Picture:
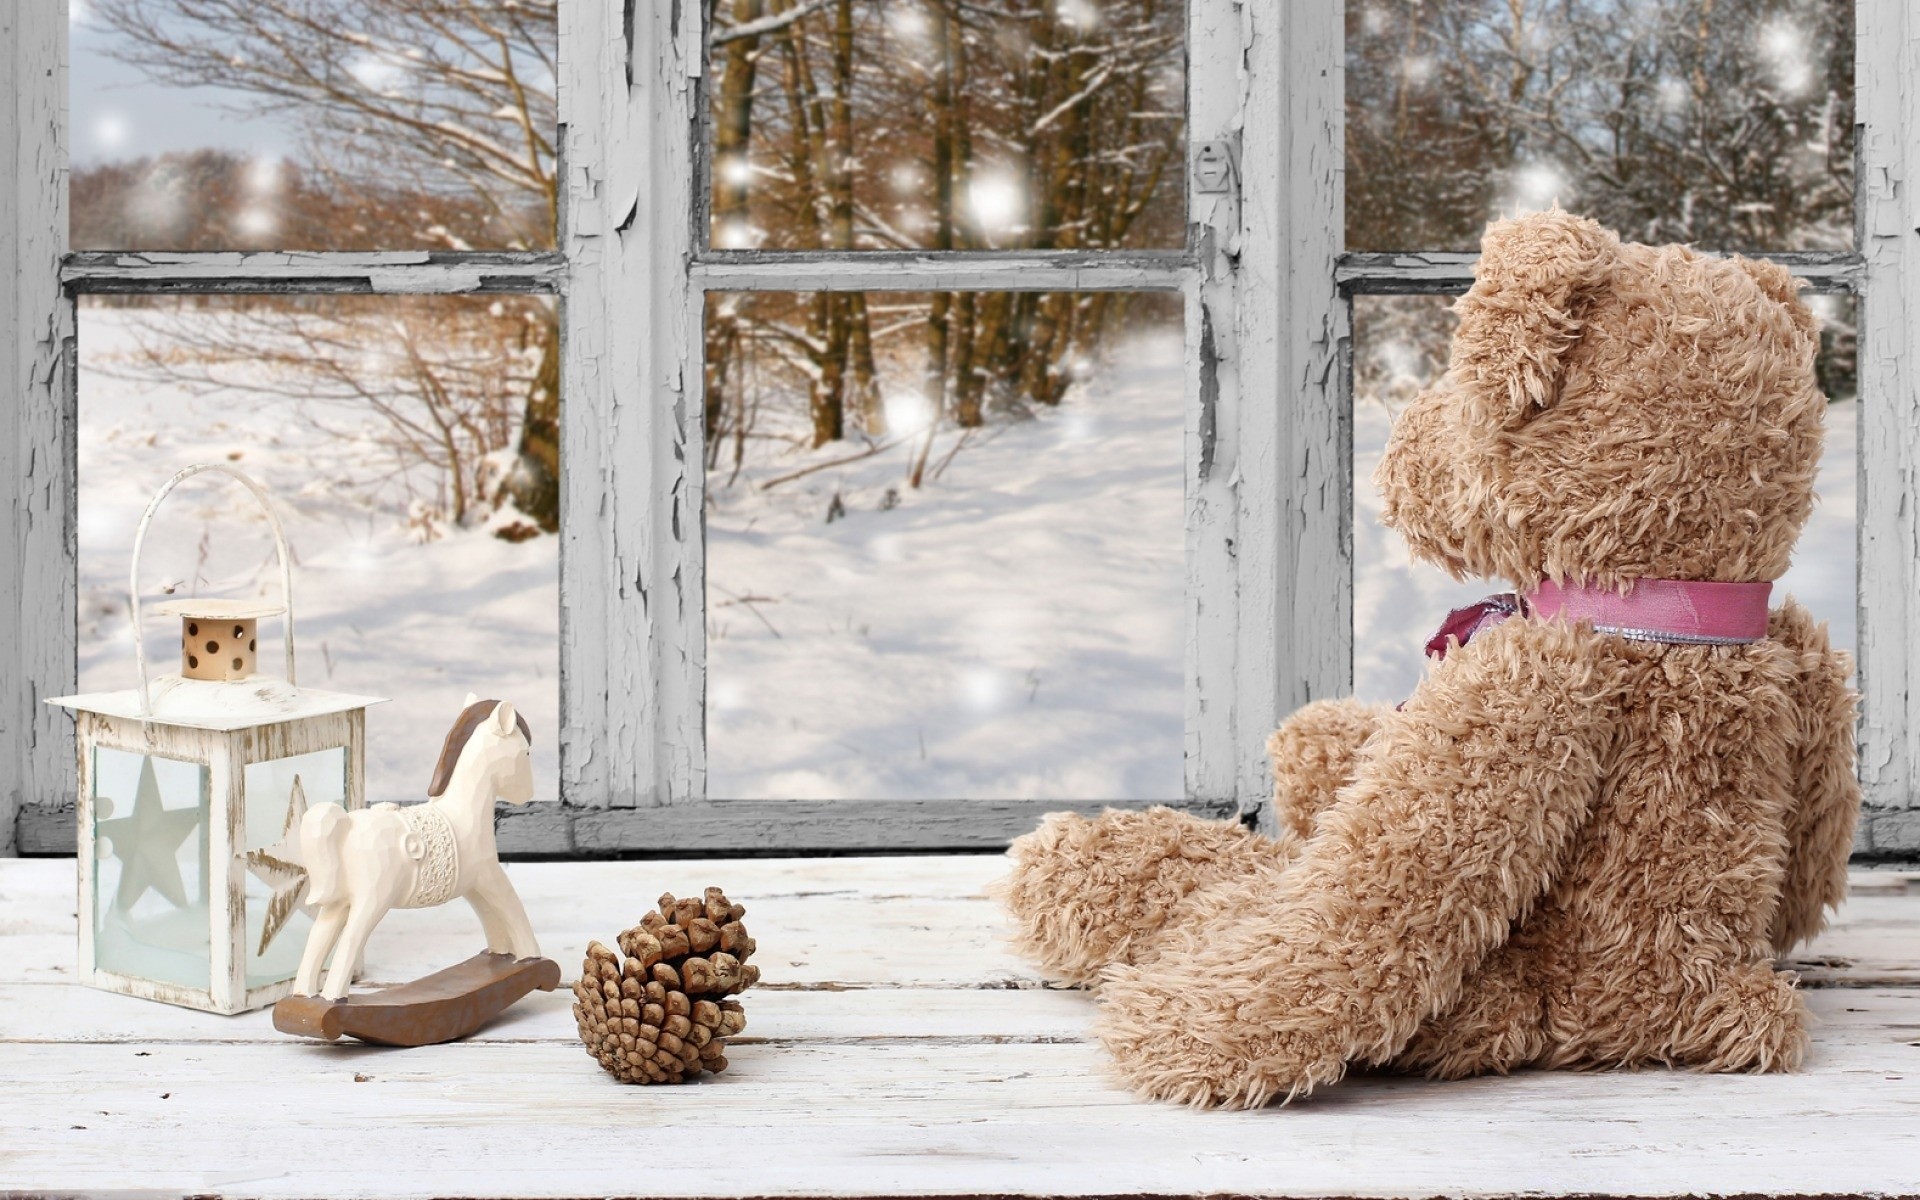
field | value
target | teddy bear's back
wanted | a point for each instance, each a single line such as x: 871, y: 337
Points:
x: 1677, y: 876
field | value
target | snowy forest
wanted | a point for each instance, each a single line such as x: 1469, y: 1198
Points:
x: 944, y: 530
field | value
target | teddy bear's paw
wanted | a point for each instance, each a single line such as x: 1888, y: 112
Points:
x: 1178, y: 1034
x: 1085, y: 893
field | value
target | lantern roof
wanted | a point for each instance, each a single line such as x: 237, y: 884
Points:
x: 218, y: 705
x: 215, y: 608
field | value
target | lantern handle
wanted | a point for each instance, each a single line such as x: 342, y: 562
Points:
x: 140, y: 536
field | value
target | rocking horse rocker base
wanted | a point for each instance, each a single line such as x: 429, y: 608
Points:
x: 440, y: 1007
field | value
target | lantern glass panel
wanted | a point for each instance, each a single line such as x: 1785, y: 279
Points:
x: 269, y: 793
x: 150, y: 820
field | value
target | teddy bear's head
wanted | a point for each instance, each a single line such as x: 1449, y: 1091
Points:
x: 1612, y: 412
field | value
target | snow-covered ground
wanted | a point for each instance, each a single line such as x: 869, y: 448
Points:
x: 1011, y: 629
x: 376, y: 612
x: 1397, y: 604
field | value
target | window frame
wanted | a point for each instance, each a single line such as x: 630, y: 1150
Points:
x: 1267, y: 294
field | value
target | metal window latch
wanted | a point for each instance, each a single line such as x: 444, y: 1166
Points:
x: 1214, y: 170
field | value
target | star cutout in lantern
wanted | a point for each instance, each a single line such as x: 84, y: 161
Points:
x: 279, y: 866
x: 147, y: 843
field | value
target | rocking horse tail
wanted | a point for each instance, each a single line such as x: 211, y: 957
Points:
x: 321, y: 833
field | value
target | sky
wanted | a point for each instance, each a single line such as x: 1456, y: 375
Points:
x: 116, y: 113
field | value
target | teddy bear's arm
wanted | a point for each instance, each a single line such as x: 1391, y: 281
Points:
x: 1315, y: 753
x: 1087, y: 892
x: 1826, y: 790
x: 1463, y: 810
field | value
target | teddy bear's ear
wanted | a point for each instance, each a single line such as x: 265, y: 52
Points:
x: 1525, y: 310
x: 1780, y: 285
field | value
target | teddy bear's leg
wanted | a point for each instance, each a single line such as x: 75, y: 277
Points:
x: 1498, y: 1025
x: 1464, y: 808
x: 1752, y: 1019
x: 1315, y: 753
x: 1739, y: 1017
x: 1086, y: 892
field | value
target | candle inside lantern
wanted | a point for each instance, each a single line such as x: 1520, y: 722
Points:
x: 219, y: 639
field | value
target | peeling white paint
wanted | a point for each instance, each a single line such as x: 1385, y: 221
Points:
x: 36, y: 334
x: 630, y: 580
x: 1888, y: 198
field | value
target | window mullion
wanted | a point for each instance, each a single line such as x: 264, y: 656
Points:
x: 37, y: 589
x: 1269, y: 520
x: 1887, y: 62
x: 631, y: 582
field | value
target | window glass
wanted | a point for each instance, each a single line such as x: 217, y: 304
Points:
x: 951, y: 567
x: 1400, y: 347
x: 411, y: 446
x: 938, y: 124
x: 1725, y: 123
x: 312, y: 124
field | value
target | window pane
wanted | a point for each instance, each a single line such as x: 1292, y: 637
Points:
x: 936, y: 124
x: 955, y: 568
x: 1400, y: 346
x: 312, y: 124
x: 410, y: 444
x: 1725, y: 123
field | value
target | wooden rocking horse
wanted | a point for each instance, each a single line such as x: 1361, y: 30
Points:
x: 361, y: 865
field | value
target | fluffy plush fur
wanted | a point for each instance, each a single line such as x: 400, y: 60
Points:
x: 1567, y: 849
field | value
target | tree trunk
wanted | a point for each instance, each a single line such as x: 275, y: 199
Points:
x: 534, y: 483
x: 732, y: 140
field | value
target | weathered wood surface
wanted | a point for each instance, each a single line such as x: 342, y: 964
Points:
x: 631, y: 582
x: 894, y: 1049
x: 386, y: 272
x: 918, y: 271
x: 722, y: 826
x: 1888, y: 199
x: 1445, y: 272
x: 37, y: 597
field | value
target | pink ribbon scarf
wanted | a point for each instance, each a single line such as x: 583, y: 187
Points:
x: 1676, y: 611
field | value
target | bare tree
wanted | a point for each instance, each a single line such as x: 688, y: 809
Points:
x: 433, y: 384
x: 446, y: 99
x: 1723, y: 122
x: 944, y: 125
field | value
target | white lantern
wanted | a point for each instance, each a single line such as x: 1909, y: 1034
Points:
x: 189, y: 785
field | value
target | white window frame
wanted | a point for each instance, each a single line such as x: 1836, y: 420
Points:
x: 1269, y: 496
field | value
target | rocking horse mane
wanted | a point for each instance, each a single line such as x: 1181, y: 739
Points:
x: 463, y: 729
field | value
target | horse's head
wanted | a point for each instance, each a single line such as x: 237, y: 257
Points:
x: 495, y: 740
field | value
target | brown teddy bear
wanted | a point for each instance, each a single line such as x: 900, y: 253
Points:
x: 1618, y: 791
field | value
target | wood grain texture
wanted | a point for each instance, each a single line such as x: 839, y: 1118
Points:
x: 908, y: 271
x: 1402, y: 273
x: 389, y: 272
x: 897, y: 1051
x: 37, y: 598
x: 547, y: 830
x: 1888, y: 98
x: 1284, y: 390
x: 631, y: 638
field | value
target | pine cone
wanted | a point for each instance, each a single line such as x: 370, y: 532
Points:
x: 663, y: 1014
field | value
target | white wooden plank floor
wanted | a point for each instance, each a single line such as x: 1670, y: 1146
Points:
x: 895, y: 1049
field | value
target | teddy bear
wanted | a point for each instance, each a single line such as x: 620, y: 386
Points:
x: 1619, y: 789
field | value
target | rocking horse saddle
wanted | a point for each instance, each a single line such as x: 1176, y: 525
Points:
x: 430, y: 843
